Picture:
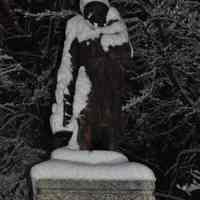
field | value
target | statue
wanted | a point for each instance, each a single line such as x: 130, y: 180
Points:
x: 91, y: 79
x: 91, y: 82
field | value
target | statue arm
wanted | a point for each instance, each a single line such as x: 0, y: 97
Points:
x: 67, y: 70
x: 115, y: 23
x: 115, y: 33
x: 61, y: 110
x: 86, y: 31
x: 115, y: 27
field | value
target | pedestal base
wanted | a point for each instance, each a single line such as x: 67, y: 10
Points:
x: 94, y: 190
x: 116, y: 179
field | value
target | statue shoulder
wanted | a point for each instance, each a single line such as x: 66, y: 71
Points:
x: 113, y: 14
x: 73, y: 22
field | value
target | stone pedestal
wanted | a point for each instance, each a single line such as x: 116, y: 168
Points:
x: 93, y: 190
x: 71, y: 180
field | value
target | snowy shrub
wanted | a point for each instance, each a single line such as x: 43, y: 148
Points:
x: 163, y: 107
x: 27, y: 68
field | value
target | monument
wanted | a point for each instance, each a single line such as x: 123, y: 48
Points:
x: 88, y: 108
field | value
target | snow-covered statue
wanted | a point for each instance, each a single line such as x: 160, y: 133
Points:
x: 91, y: 78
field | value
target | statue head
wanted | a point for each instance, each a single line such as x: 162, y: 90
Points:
x: 95, y: 11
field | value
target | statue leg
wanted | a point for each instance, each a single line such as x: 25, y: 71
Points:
x: 103, y: 137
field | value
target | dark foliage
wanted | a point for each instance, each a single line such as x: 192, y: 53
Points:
x: 163, y: 105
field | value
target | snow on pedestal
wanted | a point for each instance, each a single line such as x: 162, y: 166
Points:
x: 84, y: 175
x: 90, y: 157
x: 62, y: 169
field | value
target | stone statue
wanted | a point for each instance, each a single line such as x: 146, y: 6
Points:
x: 91, y: 82
x: 91, y: 79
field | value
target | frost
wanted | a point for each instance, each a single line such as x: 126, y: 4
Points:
x: 193, y: 186
x: 5, y: 57
x: 92, y: 157
x: 189, y: 188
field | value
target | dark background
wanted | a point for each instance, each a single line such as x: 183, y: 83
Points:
x: 163, y: 105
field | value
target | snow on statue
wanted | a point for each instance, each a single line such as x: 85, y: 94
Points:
x: 91, y: 78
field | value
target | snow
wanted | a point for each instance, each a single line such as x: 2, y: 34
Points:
x: 115, y: 34
x: 5, y: 57
x: 85, y: 31
x: 64, y: 77
x: 189, y: 188
x: 194, y: 184
x: 82, y: 90
x: 113, y: 40
x: 81, y: 29
x: 62, y: 169
x: 90, y: 157
x: 113, y: 14
x: 76, y: 27
x: 90, y: 165
x: 73, y: 126
x: 67, y: 164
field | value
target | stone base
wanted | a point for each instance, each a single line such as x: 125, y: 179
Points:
x: 94, y: 190
x: 82, y: 195
x: 82, y: 175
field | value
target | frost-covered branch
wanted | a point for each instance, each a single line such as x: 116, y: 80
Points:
x: 46, y: 14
